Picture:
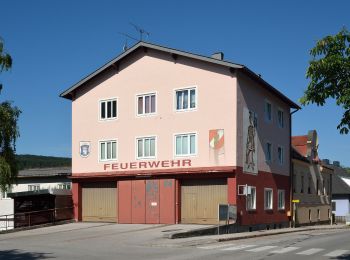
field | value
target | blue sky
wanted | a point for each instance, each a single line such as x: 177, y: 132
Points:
x: 56, y: 43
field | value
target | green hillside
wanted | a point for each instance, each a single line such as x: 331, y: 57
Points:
x: 27, y: 161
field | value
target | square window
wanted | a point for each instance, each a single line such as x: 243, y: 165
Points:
x: 108, y: 109
x: 185, y: 144
x: 281, y: 199
x: 186, y: 99
x: 268, y: 152
x: 268, y: 198
x: 251, y: 198
x: 108, y: 150
x: 268, y: 111
x: 146, y: 147
x: 280, y: 117
x: 146, y: 104
x: 280, y: 155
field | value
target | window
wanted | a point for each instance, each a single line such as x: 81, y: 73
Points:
x: 268, y: 111
x: 280, y: 155
x: 281, y: 199
x: 251, y: 198
x: 268, y: 152
x: 186, y: 99
x: 108, y: 109
x: 280, y: 117
x: 310, y: 216
x: 317, y: 187
x: 146, y: 104
x: 64, y: 186
x: 268, y: 198
x: 185, y: 144
x: 318, y: 215
x: 108, y: 150
x: 146, y: 147
x: 302, y: 184
x: 33, y: 187
x: 309, y: 185
x: 323, y: 188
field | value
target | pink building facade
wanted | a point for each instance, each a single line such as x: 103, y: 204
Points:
x: 164, y: 136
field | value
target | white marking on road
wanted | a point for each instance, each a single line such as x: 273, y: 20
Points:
x: 215, y: 246
x: 238, y: 247
x: 259, y: 249
x: 310, y: 251
x: 336, y: 253
x: 285, y: 250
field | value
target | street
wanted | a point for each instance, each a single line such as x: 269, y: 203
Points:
x: 113, y: 241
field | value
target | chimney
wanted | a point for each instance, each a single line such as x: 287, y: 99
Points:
x: 325, y: 161
x: 336, y: 163
x: 218, y: 55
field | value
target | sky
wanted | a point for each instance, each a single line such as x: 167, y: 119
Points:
x: 55, y: 43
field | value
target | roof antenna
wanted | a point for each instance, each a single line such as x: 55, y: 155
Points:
x: 141, y: 31
x: 125, y: 47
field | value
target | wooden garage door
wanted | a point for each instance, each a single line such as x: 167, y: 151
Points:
x: 200, y: 199
x: 99, y: 202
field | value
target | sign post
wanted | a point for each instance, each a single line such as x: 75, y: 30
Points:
x: 294, y: 210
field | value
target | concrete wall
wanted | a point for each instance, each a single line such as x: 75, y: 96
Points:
x: 156, y: 72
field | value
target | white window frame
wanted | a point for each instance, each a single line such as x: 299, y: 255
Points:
x: 271, y: 152
x: 250, y: 188
x: 99, y: 109
x: 279, y: 193
x: 143, y: 95
x: 280, y: 160
x: 188, y: 108
x: 189, y: 144
x: 64, y: 186
x: 265, y: 199
x: 3, y: 194
x: 36, y: 187
x: 143, y: 143
x: 279, y: 123
x: 99, y: 149
x: 267, y: 119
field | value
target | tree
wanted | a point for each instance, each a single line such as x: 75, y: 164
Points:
x: 8, y: 131
x: 329, y: 74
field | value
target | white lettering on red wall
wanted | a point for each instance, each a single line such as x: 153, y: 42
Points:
x: 146, y: 165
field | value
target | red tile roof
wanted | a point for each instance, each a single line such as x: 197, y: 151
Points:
x: 300, y: 144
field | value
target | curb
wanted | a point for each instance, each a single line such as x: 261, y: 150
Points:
x: 276, y: 233
x: 36, y: 226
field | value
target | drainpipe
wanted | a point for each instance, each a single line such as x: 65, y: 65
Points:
x: 291, y: 167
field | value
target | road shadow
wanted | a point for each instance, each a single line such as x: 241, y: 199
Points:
x: 342, y: 257
x: 16, y: 254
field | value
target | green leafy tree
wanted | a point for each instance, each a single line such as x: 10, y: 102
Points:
x: 329, y: 74
x: 8, y: 131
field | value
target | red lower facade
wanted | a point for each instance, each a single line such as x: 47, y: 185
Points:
x: 156, y: 198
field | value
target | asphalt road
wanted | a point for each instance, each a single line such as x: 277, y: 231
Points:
x: 112, y: 241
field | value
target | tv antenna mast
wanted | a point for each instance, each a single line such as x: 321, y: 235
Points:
x: 141, y: 31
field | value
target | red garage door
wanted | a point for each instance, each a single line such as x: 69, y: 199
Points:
x: 147, y: 201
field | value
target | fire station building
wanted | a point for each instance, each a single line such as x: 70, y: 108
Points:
x: 165, y: 136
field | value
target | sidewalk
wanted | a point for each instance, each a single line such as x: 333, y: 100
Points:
x: 208, y: 239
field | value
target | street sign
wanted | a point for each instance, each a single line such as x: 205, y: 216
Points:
x: 296, y: 201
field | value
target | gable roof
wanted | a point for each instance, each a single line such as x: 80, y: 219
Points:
x: 300, y: 144
x: 45, y: 172
x: 68, y: 93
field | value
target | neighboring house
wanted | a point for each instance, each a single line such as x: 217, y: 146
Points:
x: 34, y: 180
x: 311, y: 181
x: 340, y: 190
x: 165, y: 136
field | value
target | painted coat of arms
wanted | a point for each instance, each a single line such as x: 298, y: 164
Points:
x: 84, y: 149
